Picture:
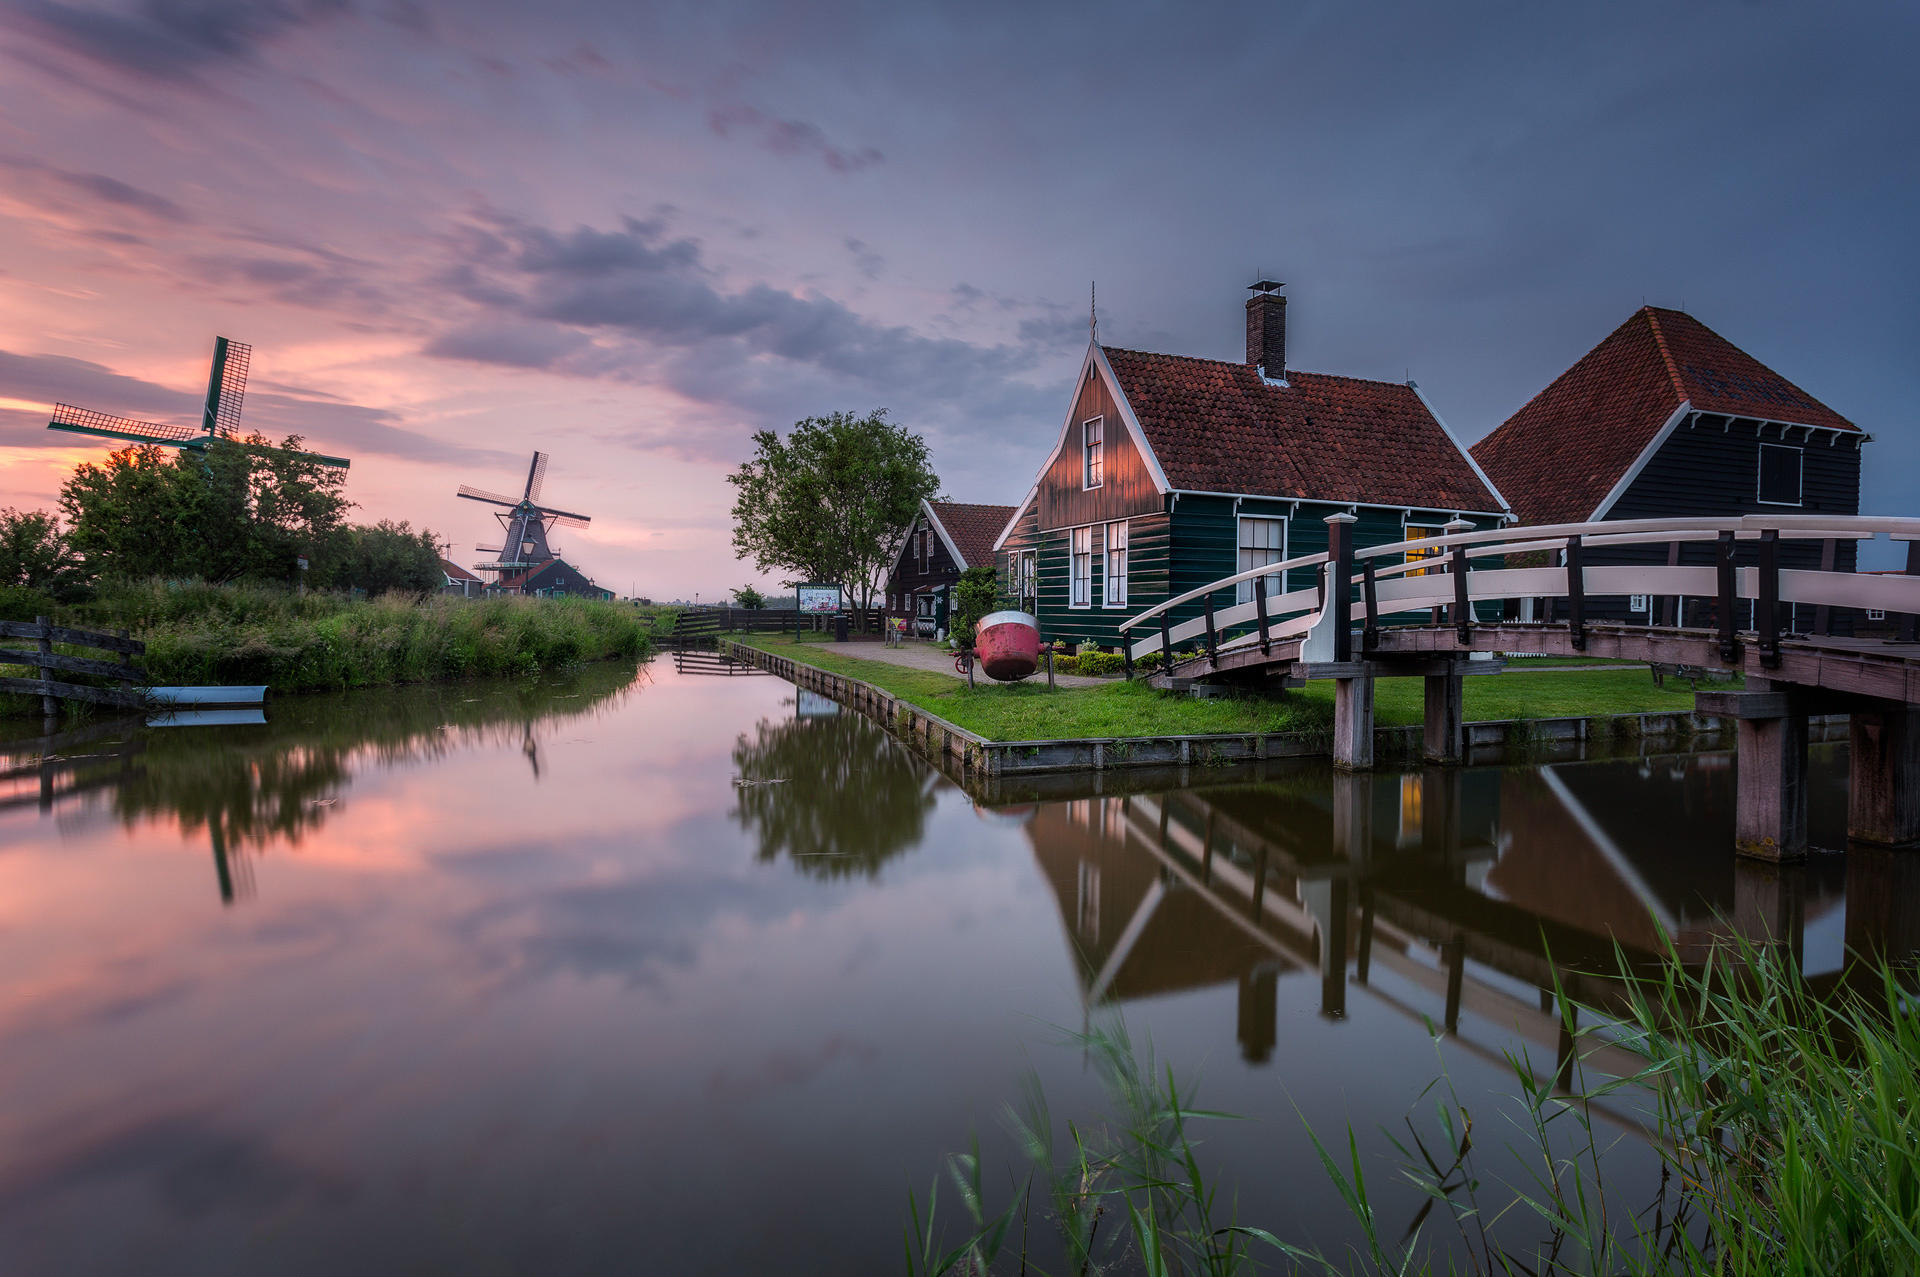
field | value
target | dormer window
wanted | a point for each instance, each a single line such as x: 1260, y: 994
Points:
x: 1093, y: 451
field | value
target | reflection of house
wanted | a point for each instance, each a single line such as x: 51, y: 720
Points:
x: 1668, y: 419
x: 1171, y: 472
x: 948, y: 538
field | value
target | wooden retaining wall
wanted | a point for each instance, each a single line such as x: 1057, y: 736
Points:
x: 967, y: 755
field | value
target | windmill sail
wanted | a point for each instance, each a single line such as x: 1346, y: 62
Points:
x: 226, y: 386
x: 88, y: 422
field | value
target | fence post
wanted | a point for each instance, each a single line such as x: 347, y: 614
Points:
x: 1126, y: 653
x: 1166, y: 645
x: 1213, y: 637
x: 1339, y: 583
x: 49, y: 707
x: 1910, y: 627
x: 1462, y: 605
x: 1370, y: 634
x: 1260, y: 611
x: 1576, y: 595
x: 1769, y: 603
x: 1724, y: 600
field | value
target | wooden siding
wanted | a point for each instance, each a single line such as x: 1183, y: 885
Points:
x: 1708, y: 471
x: 906, y: 576
x: 1127, y: 489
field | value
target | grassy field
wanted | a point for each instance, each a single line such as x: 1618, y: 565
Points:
x: 237, y: 634
x: 1027, y: 711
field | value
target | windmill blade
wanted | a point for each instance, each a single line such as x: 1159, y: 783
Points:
x: 199, y: 444
x: 487, y: 549
x: 481, y: 494
x: 567, y: 517
x: 536, y: 477
x: 226, y: 386
x: 85, y: 421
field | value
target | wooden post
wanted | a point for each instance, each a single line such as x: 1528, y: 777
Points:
x: 1770, y: 819
x: 1445, y: 728
x: 1769, y: 602
x: 1724, y: 597
x: 1883, y: 782
x: 1369, y: 591
x: 49, y: 707
x: 1166, y: 646
x: 1126, y: 653
x: 1462, y: 605
x: 1910, y: 626
x: 1213, y: 637
x: 1260, y: 612
x: 1049, y: 667
x: 1670, y: 603
x: 1339, y: 597
x: 1576, y: 594
x: 1353, y: 722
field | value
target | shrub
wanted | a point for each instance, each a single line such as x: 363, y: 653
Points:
x: 1148, y: 663
x: 1066, y: 665
x: 1099, y: 663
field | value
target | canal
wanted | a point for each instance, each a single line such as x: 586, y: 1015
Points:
x: 686, y: 971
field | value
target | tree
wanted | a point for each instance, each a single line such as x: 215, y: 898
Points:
x: 975, y: 594
x: 380, y: 557
x: 749, y: 598
x: 35, y: 555
x: 831, y: 502
x: 240, y: 508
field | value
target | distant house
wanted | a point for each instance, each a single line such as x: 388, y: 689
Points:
x: 553, y: 579
x: 459, y: 581
x: 948, y: 538
x: 1171, y: 472
x: 1668, y: 419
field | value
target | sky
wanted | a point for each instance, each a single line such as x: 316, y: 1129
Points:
x: 631, y: 235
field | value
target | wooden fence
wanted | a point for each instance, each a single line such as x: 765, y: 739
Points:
x: 42, y: 657
x: 707, y: 622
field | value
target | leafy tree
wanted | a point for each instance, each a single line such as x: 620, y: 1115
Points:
x: 975, y: 594
x: 380, y: 557
x: 831, y: 501
x: 749, y: 598
x: 35, y: 555
x: 242, y: 508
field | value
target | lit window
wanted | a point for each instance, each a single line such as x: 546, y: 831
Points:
x: 1116, y: 577
x: 1081, y: 571
x: 1415, y: 532
x: 1262, y: 541
x: 1093, y: 444
x: 1779, y: 474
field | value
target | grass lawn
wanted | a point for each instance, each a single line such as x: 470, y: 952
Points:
x: 1028, y: 711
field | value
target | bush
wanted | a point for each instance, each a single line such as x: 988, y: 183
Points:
x: 1148, y: 663
x: 1066, y: 665
x: 1099, y: 663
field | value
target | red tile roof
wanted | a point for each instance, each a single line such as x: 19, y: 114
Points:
x: 1216, y: 426
x: 972, y: 528
x: 1558, y: 457
x: 455, y: 572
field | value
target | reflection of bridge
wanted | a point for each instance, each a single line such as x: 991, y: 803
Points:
x: 1439, y: 893
x: 1394, y: 597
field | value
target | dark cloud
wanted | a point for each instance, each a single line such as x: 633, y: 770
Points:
x: 510, y: 345
x: 868, y: 262
x: 101, y: 189
x: 171, y: 39
x: 790, y: 137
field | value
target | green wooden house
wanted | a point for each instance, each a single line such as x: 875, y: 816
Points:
x: 1171, y: 472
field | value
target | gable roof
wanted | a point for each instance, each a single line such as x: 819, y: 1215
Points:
x: 523, y: 579
x: 969, y: 530
x: 454, y: 572
x: 1217, y: 426
x: 1563, y: 453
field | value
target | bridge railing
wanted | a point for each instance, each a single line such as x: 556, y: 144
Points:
x: 1443, y: 576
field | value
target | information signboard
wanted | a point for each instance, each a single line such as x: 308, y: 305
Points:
x: 817, y: 600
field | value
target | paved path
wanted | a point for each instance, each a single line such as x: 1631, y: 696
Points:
x: 925, y: 656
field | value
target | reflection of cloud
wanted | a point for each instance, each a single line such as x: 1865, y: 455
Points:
x: 191, y: 1167
x: 787, y: 1069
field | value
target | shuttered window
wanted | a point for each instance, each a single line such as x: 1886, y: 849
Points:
x: 1779, y: 474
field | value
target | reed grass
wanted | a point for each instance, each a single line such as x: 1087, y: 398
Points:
x: 1787, y: 1126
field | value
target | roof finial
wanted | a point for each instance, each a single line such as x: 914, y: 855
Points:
x: 1093, y: 311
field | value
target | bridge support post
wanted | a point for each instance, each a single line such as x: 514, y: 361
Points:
x: 1883, y: 785
x: 1445, y: 735
x: 1770, y: 820
x: 1770, y: 906
x: 1353, y: 722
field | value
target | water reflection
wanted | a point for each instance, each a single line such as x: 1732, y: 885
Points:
x: 246, y: 789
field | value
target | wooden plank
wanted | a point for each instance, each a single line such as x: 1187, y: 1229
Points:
x: 71, y: 664
x: 119, y: 697
x: 73, y: 637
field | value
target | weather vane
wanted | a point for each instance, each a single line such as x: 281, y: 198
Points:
x: 1093, y: 311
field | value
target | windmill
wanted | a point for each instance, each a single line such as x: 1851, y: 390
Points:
x: 524, y: 523
x: 219, y: 418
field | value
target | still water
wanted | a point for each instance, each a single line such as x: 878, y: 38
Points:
x: 685, y: 972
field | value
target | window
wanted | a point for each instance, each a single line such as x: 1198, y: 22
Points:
x: 1636, y: 603
x: 1029, y: 583
x: 1093, y: 445
x: 1262, y: 541
x: 926, y: 548
x: 1779, y: 474
x: 1080, y: 577
x: 1876, y: 614
x: 1420, y: 532
x: 1114, y: 587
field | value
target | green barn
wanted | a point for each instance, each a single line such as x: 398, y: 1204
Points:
x: 1171, y: 472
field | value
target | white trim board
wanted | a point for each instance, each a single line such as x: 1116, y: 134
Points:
x: 1654, y: 445
x: 926, y: 505
x: 1459, y: 447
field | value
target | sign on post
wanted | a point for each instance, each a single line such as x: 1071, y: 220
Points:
x: 814, y: 599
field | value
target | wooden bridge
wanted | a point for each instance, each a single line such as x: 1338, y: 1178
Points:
x: 1384, y: 618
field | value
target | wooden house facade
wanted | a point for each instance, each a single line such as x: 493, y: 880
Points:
x: 1667, y: 419
x: 556, y: 578
x: 1171, y: 472
x: 946, y: 539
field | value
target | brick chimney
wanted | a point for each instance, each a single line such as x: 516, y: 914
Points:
x: 1267, y: 329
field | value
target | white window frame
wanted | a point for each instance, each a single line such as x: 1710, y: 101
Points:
x: 1029, y: 578
x: 1638, y: 603
x: 1876, y: 614
x: 1407, y: 530
x: 1800, y: 474
x: 1275, y: 583
x: 1080, y: 588
x: 1093, y: 453
x: 1109, y: 597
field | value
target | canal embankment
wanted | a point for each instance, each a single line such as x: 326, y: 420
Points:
x: 1128, y: 725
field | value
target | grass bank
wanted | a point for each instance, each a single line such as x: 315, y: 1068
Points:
x: 226, y: 634
x: 1028, y: 711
